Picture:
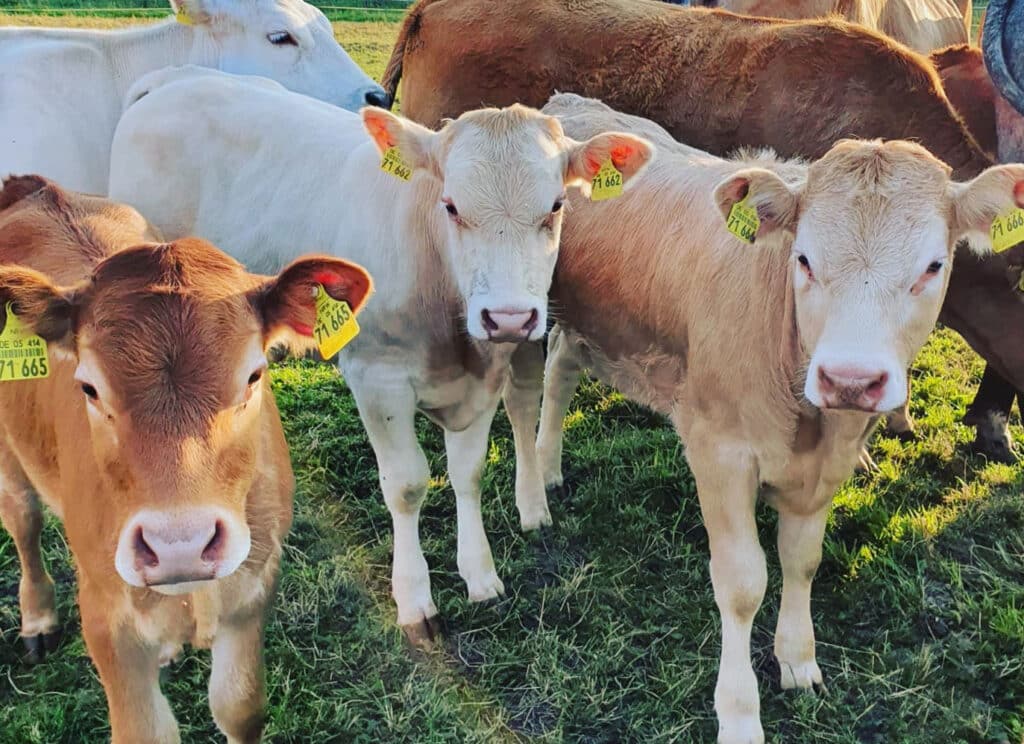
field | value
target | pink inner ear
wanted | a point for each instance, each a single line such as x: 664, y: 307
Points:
x: 330, y: 281
x: 621, y: 154
x: 302, y: 329
x: 1018, y: 193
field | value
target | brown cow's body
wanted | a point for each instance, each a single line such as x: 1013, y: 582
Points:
x: 143, y: 413
x: 716, y: 81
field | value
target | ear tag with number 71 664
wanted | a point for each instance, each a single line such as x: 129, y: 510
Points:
x: 336, y: 324
x: 23, y: 354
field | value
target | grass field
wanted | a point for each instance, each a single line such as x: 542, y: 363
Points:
x: 609, y: 632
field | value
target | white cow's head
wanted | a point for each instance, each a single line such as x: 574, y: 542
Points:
x: 872, y: 230
x: 286, y: 40
x: 503, y: 175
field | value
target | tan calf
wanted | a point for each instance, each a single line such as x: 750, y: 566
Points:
x: 773, y: 358
x: 155, y: 438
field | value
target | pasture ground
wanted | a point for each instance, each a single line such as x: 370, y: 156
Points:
x: 609, y: 632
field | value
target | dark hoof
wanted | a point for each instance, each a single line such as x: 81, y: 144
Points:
x: 906, y: 437
x: 819, y: 688
x: 426, y: 634
x: 994, y: 450
x: 556, y: 491
x: 38, y: 646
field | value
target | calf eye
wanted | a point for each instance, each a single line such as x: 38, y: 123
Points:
x: 90, y: 392
x: 282, y: 38
x: 934, y: 267
x: 256, y: 377
x: 450, y: 208
x: 557, y: 207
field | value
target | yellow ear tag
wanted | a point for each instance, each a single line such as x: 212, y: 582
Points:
x: 22, y: 353
x: 335, y: 323
x: 743, y: 221
x: 184, y: 18
x: 1007, y: 230
x: 392, y: 162
x: 606, y: 183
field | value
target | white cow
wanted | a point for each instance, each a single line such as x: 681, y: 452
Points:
x: 62, y: 90
x: 461, y: 255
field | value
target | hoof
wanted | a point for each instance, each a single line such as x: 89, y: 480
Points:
x: 485, y: 588
x: 38, y: 646
x: 801, y: 676
x: 425, y: 634
x: 994, y: 450
x: 534, y: 522
x: 906, y: 437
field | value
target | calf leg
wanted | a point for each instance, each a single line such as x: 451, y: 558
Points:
x: 389, y: 418
x: 466, y: 452
x: 799, y: 539
x: 22, y: 516
x: 237, y: 682
x: 522, y: 404
x: 129, y: 671
x: 561, y: 378
x: 727, y: 489
x: 990, y: 414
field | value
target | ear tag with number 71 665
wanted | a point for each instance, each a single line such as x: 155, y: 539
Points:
x: 336, y: 324
x: 23, y: 354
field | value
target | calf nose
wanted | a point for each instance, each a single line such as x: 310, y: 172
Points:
x: 377, y: 97
x: 851, y: 388
x: 509, y: 324
x: 161, y: 549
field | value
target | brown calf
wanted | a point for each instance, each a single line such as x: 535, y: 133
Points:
x: 155, y: 437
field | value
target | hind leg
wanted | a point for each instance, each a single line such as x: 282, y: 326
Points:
x: 22, y: 516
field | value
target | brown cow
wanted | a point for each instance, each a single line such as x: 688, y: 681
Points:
x: 155, y: 437
x: 718, y: 81
x: 923, y: 25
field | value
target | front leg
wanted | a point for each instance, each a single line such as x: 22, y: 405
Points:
x: 22, y: 516
x: 561, y: 378
x: 466, y: 451
x: 129, y: 671
x: 388, y: 413
x: 727, y: 488
x: 238, y: 693
x: 522, y: 396
x: 800, y: 538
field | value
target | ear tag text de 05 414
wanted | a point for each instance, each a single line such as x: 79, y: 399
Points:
x: 336, y: 324
x: 1007, y: 230
x: 184, y: 18
x: 23, y: 354
x: 743, y: 221
x: 392, y: 162
x: 606, y: 183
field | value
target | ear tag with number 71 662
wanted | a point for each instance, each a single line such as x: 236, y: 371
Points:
x: 336, y: 324
x: 23, y: 354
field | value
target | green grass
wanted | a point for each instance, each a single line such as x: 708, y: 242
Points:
x: 609, y: 632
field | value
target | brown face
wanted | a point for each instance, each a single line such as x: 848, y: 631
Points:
x: 170, y: 341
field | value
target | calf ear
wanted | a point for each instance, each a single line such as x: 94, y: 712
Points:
x: 776, y: 203
x: 629, y: 154
x: 415, y: 142
x: 190, y: 12
x: 287, y: 302
x: 978, y: 203
x: 42, y: 308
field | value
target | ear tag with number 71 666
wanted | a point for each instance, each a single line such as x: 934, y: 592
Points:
x: 336, y: 324
x: 23, y: 354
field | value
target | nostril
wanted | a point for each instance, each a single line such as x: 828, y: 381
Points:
x: 145, y: 556
x: 488, y: 321
x: 875, y: 386
x: 212, y: 551
x: 378, y: 98
x: 531, y: 322
x: 824, y: 381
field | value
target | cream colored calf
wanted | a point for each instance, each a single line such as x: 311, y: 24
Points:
x: 773, y: 358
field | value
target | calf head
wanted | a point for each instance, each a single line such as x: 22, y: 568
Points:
x: 287, y: 40
x: 170, y: 345
x: 872, y: 231
x: 503, y: 175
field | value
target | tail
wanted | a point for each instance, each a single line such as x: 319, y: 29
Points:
x: 410, y: 27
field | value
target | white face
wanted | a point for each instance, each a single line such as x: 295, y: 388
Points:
x: 503, y: 201
x: 872, y: 230
x: 288, y: 41
x: 868, y: 287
